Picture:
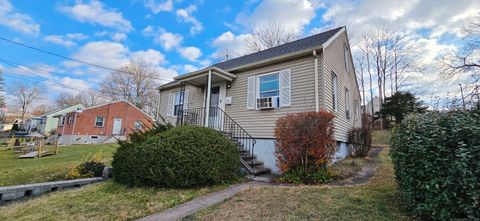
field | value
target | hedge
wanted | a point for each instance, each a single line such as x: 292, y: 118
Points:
x: 180, y: 157
x: 437, y: 164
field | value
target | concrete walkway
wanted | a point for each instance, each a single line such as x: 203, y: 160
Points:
x: 183, y: 210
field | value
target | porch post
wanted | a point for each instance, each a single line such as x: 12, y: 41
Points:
x: 207, y: 105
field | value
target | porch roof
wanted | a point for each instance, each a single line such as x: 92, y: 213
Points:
x: 200, y: 77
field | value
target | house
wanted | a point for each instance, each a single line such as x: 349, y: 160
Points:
x: 47, y: 123
x: 101, y: 124
x: 243, y: 97
x: 376, y: 106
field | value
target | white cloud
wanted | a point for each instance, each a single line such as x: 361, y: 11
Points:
x: 293, y: 15
x: 189, y: 68
x: 440, y: 16
x: 115, y: 55
x: 190, y: 53
x: 229, y: 44
x: 185, y: 15
x: 95, y: 12
x: 119, y: 36
x: 17, y: 21
x: 162, y: 37
x: 156, y: 7
x: 150, y: 56
x: 67, y: 40
x: 75, y: 85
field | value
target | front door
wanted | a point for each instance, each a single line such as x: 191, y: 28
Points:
x: 214, y: 119
x: 117, y: 126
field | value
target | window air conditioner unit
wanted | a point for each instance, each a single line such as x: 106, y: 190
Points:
x: 266, y: 103
x: 347, y: 113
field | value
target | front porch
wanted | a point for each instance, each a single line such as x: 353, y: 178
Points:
x: 213, y: 83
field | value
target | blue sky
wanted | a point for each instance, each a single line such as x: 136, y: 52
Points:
x: 178, y: 36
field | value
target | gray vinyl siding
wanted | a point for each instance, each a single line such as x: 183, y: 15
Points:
x: 195, y: 100
x: 261, y: 123
x: 334, y: 61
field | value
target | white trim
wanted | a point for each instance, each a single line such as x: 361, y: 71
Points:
x: 335, y: 36
x: 315, y: 58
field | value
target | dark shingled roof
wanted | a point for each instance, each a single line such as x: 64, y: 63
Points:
x: 298, y: 45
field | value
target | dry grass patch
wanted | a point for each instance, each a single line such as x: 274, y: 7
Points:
x: 376, y: 200
x: 102, y: 201
x: 381, y: 137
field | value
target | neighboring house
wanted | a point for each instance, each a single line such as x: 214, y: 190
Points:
x: 47, y: 123
x: 101, y: 124
x: 376, y: 105
x: 244, y: 96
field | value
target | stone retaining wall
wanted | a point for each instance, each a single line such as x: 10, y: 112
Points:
x: 9, y: 193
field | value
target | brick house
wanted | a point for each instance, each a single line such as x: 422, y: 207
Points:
x: 101, y: 124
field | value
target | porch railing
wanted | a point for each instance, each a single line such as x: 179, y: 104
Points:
x: 218, y: 119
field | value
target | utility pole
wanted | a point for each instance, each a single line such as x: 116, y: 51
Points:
x: 463, y: 99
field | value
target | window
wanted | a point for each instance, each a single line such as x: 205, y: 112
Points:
x: 62, y: 121
x: 268, y: 85
x: 345, y: 58
x: 347, y: 103
x: 334, y: 92
x: 138, y: 125
x: 99, y: 121
x: 93, y: 137
x: 70, y: 119
x: 177, y: 108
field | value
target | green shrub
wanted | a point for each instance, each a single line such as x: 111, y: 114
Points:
x: 437, y: 167
x: 92, y: 167
x: 180, y: 157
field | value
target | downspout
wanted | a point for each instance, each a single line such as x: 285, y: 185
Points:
x: 74, y: 121
x: 157, y: 117
x: 324, y: 99
x: 207, y: 105
x: 315, y: 58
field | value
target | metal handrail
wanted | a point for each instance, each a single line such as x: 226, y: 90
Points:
x: 220, y: 120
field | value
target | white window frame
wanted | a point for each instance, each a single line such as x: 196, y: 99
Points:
x: 334, y: 91
x: 263, y: 75
x: 138, y: 125
x: 95, y: 122
x: 174, y: 103
x: 346, y: 58
x: 70, y: 119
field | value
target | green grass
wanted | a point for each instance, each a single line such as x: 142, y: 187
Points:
x: 102, y: 201
x: 376, y: 200
x: 15, y: 171
x: 381, y: 137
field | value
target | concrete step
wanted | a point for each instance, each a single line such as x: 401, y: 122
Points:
x: 255, y: 163
x: 259, y: 170
x: 247, y: 157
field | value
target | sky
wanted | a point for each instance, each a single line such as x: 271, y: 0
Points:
x: 180, y: 36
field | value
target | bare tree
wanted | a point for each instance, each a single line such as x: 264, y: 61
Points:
x: 26, y: 95
x: 133, y: 83
x: 466, y: 61
x: 88, y: 98
x: 269, y: 35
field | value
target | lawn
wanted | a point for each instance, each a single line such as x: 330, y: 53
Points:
x: 101, y: 201
x: 381, y: 137
x: 376, y: 200
x: 15, y: 171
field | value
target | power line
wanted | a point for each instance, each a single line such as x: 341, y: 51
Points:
x: 36, y: 80
x: 76, y: 60
x: 42, y: 69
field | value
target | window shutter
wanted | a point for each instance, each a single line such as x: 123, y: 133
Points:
x: 285, y: 88
x: 170, y: 105
x: 185, y: 99
x: 251, y: 92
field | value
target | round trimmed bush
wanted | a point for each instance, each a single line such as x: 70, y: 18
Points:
x: 181, y: 157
